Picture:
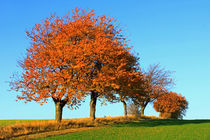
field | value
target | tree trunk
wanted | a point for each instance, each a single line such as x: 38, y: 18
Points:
x: 125, y: 108
x: 142, y: 110
x: 124, y: 105
x: 58, y: 111
x: 93, y: 100
x: 59, y: 104
x: 169, y: 115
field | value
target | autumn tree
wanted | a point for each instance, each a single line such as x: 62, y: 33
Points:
x: 71, y: 57
x: 157, y: 80
x: 171, y: 105
x: 111, y: 62
x: 53, y: 66
x: 130, y: 87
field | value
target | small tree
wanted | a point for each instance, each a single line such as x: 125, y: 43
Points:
x: 156, y: 81
x: 171, y: 105
x: 133, y: 109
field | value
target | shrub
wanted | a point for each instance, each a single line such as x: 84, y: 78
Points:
x: 133, y: 109
x: 171, y: 105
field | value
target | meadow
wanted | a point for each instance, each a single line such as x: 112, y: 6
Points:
x: 18, y: 128
x: 115, y: 128
x: 146, y: 130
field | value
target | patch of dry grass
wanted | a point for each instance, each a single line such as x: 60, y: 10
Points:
x: 21, y: 129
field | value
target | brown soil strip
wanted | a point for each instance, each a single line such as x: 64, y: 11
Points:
x: 53, y: 133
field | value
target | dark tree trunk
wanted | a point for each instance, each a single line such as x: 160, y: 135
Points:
x: 58, y: 109
x: 93, y: 100
x: 122, y: 99
x: 142, y: 110
x: 125, y: 108
x: 143, y: 106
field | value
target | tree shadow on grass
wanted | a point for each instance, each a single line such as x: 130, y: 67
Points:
x: 166, y: 122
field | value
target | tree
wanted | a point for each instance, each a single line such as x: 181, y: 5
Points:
x: 115, y: 64
x: 53, y: 66
x: 156, y: 81
x: 129, y: 88
x: 133, y: 109
x: 73, y: 56
x: 171, y: 105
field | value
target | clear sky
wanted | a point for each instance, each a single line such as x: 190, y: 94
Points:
x: 174, y: 33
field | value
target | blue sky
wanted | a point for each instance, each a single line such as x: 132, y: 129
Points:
x: 175, y: 34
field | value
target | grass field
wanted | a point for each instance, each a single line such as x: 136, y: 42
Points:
x: 27, y: 128
x: 148, y: 129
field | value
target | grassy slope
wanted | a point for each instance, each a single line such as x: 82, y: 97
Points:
x: 26, y: 128
x: 150, y: 129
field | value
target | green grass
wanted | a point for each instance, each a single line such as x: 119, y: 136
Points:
x: 146, y: 130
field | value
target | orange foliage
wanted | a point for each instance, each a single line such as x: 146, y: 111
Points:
x: 171, y: 102
x: 71, y: 56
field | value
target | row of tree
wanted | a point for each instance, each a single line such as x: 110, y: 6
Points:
x: 80, y: 54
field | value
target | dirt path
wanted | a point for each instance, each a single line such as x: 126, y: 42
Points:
x: 53, y: 133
